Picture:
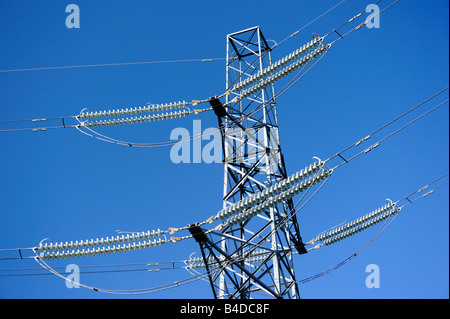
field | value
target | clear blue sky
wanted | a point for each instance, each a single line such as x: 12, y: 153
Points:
x: 63, y: 185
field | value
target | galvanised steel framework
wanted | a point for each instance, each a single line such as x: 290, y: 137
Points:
x: 253, y: 161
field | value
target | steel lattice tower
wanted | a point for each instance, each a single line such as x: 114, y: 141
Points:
x: 253, y: 257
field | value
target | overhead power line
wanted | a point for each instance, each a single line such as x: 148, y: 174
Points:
x: 297, y: 59
x: 258, y: 202
x: 386, y: 125
x: 160, y: 61
x: 359, y: 26
x: 196, y: 263
x: 366, y: 221
x: 309, y: 23
x: 149, y: 267
x: 110, y: 64
x: 243, y: 210
x: 348, y: 229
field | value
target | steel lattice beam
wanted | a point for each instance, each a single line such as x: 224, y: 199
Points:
x: 252, y: 162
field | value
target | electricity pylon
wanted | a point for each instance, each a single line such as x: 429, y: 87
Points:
x: 250, y: 252
x: 253, y: 161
